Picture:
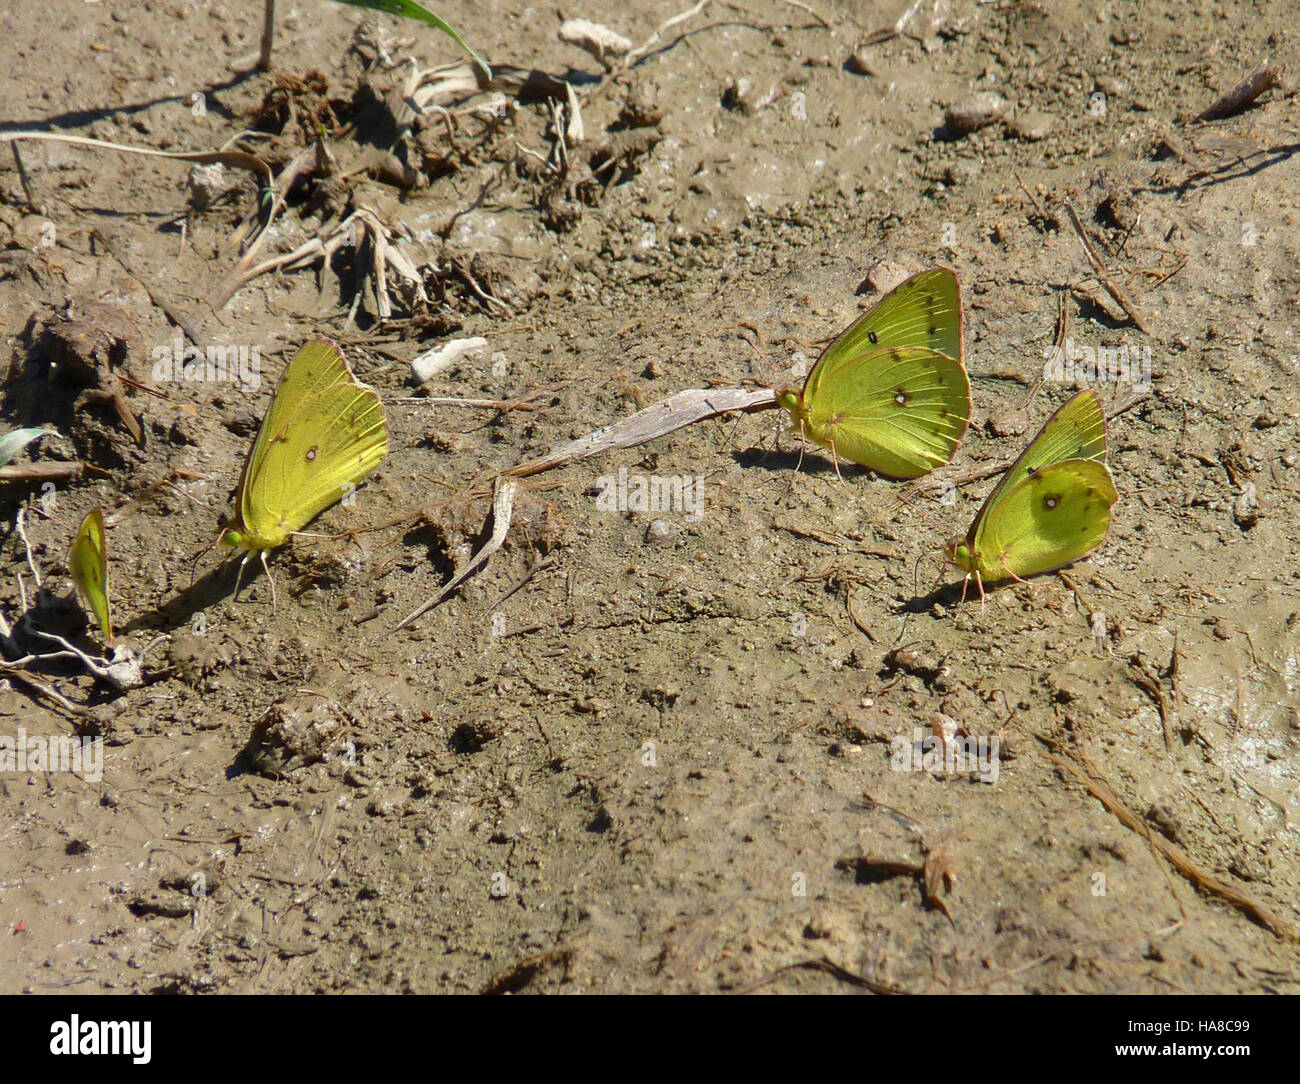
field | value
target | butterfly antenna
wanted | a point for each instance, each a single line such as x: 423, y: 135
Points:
x: 194, y: 566
x: 1034, y: 389
x: 938, y: 579
x: 1058, y: 343
x: 757, y: 350
x: 917, y: 487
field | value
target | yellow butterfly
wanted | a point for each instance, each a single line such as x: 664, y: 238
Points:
x: 1050, y: 508
x: 323, y: 433
x: 88, y: 563
x: 891, y: 392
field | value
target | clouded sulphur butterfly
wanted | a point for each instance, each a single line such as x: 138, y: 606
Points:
x: 891, y: 392
x: 88, y: 563
x: 323, y: 433
x: 1050, y: 508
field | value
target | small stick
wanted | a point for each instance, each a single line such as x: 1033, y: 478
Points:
x: 1245, y: 92
x: 1084, y: 773
x: 937, y: 482
x: 502, y: 511
x: 1127, y: 403
x: 22, y: 177
x: 449, y: 400
x: 96, y: 666
x: 1169, y: 274
x: 237, y: 159
x: 504, y: 406
x: 277, y: 188
x: 1172, y: 674
x: 804, y: 7
x: 121, y: 513
x: 680, y: 410
x: 861, y: 626
x: 40, y: 472
x: 268, y: 38
x: 906, y: 17
x: 1142, y: 677
x: 1078, y: 595
x: 175, y: 317
x: 1099, y: 269
x: 1042, y: 215
x: 45, y: 690
x: 21, y: 532
x: 650, y: 42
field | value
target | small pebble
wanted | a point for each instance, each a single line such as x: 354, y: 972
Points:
x: 976, y: 112
x: 431, y: 362
x: 1007, y: 421
x: 1032, y: 126
x: 741, y: 95
x: 642, y: 107
x: 1245, y: 509
x: 860, y: 63
x: 659, y: 532
x: 207, y: 184
x: 885, y: 275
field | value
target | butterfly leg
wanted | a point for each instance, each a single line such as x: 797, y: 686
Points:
x: 798, y: 464
x: 1018, y: 579
x: 979, y: 582
x: 239, y: 576
x: 835, y: 459
x: 269, y: 578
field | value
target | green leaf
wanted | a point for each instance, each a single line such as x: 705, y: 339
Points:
x: 418, y: 12
x: 15, y: 441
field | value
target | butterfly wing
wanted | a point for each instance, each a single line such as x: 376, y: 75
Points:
x: 900, y: 411
x: 1077, y: 430
x: 322, y: 432
x: 88, y: 563
x: 923, y: 311
x: 1049, y: 518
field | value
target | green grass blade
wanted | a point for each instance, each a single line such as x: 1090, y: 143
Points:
x: 411, y: 10
x: 16, y: 440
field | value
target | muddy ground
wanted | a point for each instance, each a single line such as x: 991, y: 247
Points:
x: 651, y: 751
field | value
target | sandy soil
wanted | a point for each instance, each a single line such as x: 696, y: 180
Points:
x: 651, y: 751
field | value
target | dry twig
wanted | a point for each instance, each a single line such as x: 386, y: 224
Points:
x: 1245, y: 92
x: 1102, y: 274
